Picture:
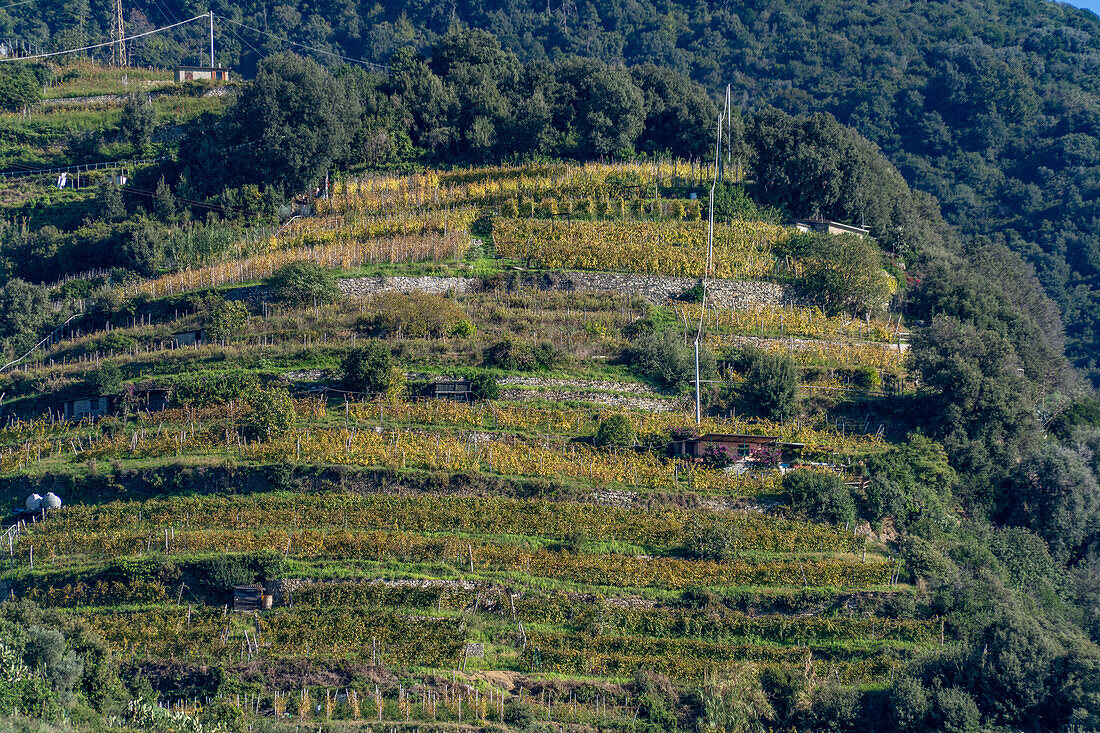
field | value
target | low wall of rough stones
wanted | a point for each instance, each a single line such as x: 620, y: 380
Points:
x: 359, y: 286
x: 656, y: 289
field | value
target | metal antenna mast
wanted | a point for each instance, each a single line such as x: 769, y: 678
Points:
x: 118, y: 32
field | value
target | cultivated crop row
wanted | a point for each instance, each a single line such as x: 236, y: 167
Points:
x: 479, y: 556
x: 586, y: 613
x: 793, y: 321
x: 690, y: 659
x: 663, y: 527
x: 337, y: 254
x: 493, y: 186
x: 676, y: 248
x: 401, y: 449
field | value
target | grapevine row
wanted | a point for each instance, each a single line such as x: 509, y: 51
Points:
x: 666, y: 527
x: 588, y: 569
x: 676, y: 248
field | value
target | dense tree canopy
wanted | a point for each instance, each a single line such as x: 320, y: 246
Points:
x: 284, y: 130
x: 986, y: 105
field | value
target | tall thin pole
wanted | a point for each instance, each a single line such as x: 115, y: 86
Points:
x: 211, y: 39
x: 729, y: 127
x: 719, y: 163
x: 698, y: 398
x: 707, y: 269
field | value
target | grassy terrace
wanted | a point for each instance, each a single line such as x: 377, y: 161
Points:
x: 475, y: 569
x: 396, y: 533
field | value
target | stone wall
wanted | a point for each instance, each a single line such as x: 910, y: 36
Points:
x: 360, y: 286
x: 656, y: 289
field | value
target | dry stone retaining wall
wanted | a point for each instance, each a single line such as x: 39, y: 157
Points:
x: 359, y: 286
x: 738, y: 294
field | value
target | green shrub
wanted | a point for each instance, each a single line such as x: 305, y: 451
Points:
x: 303, y: 283
x: 734, y: 700
x: 106, y: 380
x: 484, y: 387
x: 519, y: 715
x: 131, y: 570
x: 226, y: 571
x: 820, y: 496
x: 547, y: 356
x: 770, y: 386
x: 271, y: 414
x: 834, y: 707
x: 142, y: 249
x: 465, y: 329
x: 370, y: 369
x: 953, y: 711
x: 19, y: 87
x: 24, y: 308
x: 138, y: 121
x: 868, y: 378
x: 574, y: 541
x: 657, y: 700
x: 280, y: 476
x: 842, y: 272
x: 115, y: 341
x: 46, y: 652
x: 221, y: 714
x: 706, y: 539
x: 664, y: 358
x: 694, y: 294
x: 416, y: 316
x: 225, y: 320
x: 616, y: 431
x: 212, y: 388
x: 514, y: 355
x: 508, y: 354
x: 784, y: 688
x: 908, y: 706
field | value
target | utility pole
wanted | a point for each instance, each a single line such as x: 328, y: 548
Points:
x: 118, y: 31
x: 718, y: 162
x: 729, y: 126
x: 211, y: 39
x: 707, y: 268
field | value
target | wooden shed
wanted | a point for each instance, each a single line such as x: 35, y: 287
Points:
x: 79, y: 409
x: 195, y: 337
x: 452, y: 389
x: 152, y: 399
x: 193, y: 73
x: 247, y: 597
x: 738, y: 446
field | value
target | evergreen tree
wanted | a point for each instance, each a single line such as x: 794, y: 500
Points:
x: 109, y: 203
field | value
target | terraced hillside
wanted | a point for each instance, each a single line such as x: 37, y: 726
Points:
x: 433, y: 562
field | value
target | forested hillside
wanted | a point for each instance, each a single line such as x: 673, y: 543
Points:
x: 351, y: 395
x: 988, y: 105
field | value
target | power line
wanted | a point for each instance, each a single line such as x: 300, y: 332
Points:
x: 204, y: 16
x: 302, y: 45
x: 24, y: 2
x: 242, y: 39
x: 170, y: 16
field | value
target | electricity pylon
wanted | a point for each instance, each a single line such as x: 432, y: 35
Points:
x: 118, y: 35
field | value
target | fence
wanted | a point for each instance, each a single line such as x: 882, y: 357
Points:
x: 109, y: 165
